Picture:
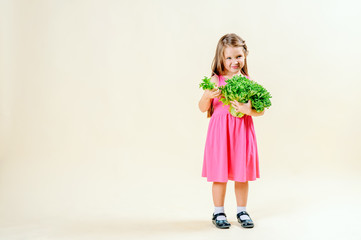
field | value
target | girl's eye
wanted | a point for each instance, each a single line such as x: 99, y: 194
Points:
x: 237, y: 57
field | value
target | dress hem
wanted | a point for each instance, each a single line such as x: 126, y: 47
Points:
x: 229, y: 178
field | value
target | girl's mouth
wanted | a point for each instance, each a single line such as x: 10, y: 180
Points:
x: 234, y: 66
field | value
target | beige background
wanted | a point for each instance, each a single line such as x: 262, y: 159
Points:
x: 101, y: 136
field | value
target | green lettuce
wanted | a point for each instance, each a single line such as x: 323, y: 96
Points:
x: 206, y: 84
x: 241, y: 89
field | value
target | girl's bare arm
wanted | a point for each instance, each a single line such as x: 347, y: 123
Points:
x: 205, y: 102
x: 254, y: 113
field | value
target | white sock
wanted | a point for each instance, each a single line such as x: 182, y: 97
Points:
x: 219, y: 210
x: 241, y: 209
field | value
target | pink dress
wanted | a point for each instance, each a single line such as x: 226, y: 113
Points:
x: 231, y: 148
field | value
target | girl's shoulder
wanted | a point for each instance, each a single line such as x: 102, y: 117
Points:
x: 215, y: 79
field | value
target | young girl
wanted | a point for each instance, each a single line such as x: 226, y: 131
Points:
x: 231, y: 147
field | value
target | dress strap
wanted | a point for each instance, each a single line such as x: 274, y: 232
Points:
x: 220, y: 78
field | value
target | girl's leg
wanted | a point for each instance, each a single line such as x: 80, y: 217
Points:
x: 219, y: 193
x: 241, y: 191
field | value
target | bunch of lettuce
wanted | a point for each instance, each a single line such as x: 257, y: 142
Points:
x: 206, y: 84
x: 242, y: 89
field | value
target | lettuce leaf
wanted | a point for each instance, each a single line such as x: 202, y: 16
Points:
x: 207, y: 84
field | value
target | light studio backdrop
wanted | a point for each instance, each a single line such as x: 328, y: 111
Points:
x: 101, y: 136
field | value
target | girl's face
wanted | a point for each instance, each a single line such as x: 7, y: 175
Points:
x: 233, y: 60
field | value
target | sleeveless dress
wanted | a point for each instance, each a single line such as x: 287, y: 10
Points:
x: 231, y: 147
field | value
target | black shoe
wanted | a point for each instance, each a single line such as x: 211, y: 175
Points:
x: 220, y: 223
x: 247, y: 223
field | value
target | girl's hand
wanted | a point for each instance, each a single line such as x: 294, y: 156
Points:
x: 215, y: 92
x: 245, y: 108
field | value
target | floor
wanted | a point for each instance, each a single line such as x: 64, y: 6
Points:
x: 323, y: 208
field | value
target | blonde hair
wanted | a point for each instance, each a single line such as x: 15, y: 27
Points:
x: 228, y: 40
